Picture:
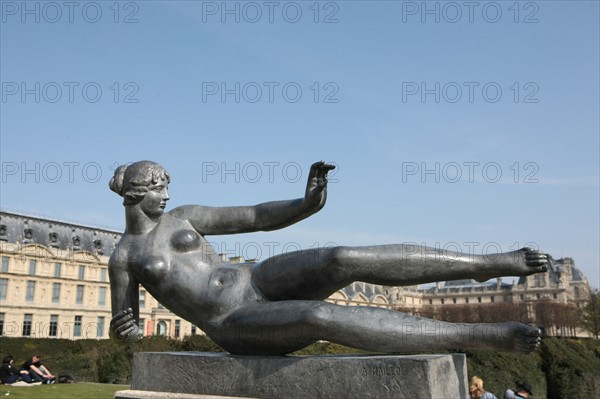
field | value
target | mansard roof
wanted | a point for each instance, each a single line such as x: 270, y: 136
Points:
x: 370, y: 291
x: 468, y: 284
x: 457, y: 283
x: 28, y: 229
x: 576, y: 274
x: 556, y: 269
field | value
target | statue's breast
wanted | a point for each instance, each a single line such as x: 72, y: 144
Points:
x: 154, y: 269
x: 186, y: 240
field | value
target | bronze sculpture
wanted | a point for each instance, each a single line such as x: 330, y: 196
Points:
x: 276, y: 306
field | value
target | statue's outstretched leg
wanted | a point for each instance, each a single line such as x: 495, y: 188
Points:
x: 276, y: 328
x: 317, y: 273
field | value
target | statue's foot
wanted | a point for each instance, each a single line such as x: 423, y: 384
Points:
x: 527, y: 338
x: 512, y: 337
x: 523, y: 262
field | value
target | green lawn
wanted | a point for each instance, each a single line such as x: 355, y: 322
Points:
x: 62, y: 391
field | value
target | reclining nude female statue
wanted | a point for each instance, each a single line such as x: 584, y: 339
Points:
x: 276, y: 306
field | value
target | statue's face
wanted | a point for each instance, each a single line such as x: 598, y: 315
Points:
x: 154, y: 202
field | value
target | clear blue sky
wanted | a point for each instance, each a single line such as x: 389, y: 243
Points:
x: 470, y: 127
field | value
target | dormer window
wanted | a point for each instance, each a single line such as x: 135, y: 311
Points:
x: 76, y: 242
x: 53, y: 239
x: 27, y: 235
x: 98, y: 246
x: 3, y: 232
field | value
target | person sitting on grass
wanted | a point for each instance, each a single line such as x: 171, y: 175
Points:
x: 9, y: 374
x: 37, y: 371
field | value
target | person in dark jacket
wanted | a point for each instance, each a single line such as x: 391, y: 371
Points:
x: 10, y: 374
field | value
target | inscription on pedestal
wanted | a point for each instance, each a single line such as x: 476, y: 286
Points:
x: 382, y: 371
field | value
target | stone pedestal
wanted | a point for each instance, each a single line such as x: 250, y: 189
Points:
x: 356, y: 376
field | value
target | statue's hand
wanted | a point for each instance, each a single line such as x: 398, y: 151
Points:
x: 316, y: 187
x: 124, y: 327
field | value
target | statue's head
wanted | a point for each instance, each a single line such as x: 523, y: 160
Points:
x: 133, y: 181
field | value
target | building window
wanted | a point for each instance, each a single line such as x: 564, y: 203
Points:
x: 57, y: 269
x: 538, y: 280
x: 1, y: 324
x: 53, y: 239
x: 467, y: 300
x: 177, y: 328
x: 479, y: 299
x: 442, y: 301
x: 32, y: 267
x: 193, y: 329
x: 575, y: 291
x: 522, y: 297
x: 98, y: 246
x: 5, y: 264
x: 52, y: 331
x: 3, y: 288
x: 77, y: 327
x: 79, y: 297
x: 103, y: 274
x: 30, y: 292
x: 453, y: 300
x: 81, y: 272
x: 27, y: 320
x: 55, y: 292
x: 142, y: 298
x: 431, y: 301
x: 161, y: 328
x: 102, y: 296
x: 537, y: 295
x: 100, y: 327
x: 556, y: 296
x: 491, y: 299
x: 141, y: 326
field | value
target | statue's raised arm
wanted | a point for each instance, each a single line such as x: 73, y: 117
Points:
x: 235, y: 304
x: 262, y: 217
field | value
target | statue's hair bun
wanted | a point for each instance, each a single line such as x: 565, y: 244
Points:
x: 116, y: 182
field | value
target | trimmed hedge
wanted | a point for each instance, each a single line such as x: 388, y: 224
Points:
x: 561, y: 368
x: 571, y: 367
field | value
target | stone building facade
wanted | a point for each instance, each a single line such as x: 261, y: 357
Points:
x: 539, y: 298
x: 54, y: 283
x: 564, y: 284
